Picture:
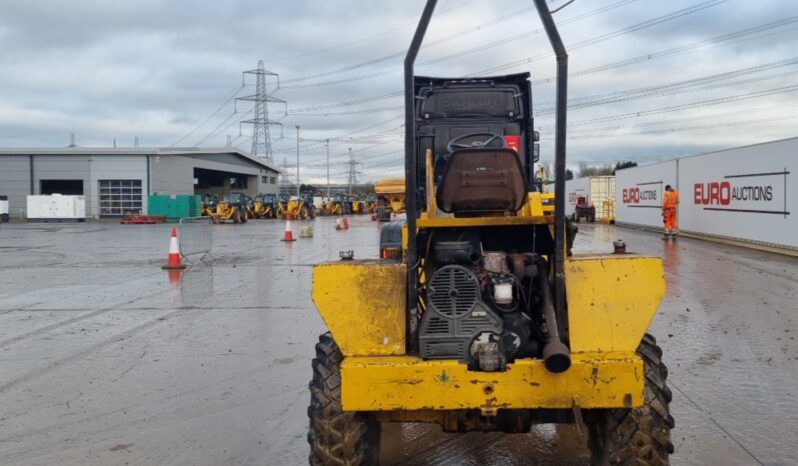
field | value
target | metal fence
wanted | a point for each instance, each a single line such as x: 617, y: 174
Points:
x: 196, y: 236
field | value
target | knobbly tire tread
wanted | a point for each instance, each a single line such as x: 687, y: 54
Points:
x: 336, y: 437
x: 639, y: 436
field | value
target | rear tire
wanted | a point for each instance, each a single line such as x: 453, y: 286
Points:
x: 337, y: 437
x: 639, y: 436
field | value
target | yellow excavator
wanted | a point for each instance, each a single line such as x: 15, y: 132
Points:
x: 485, y: 320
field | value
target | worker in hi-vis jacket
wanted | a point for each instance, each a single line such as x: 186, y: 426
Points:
x: 670, y: 201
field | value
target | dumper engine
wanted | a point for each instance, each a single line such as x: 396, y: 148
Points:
x: 482, y: 308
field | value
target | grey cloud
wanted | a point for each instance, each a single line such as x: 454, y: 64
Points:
x: 157, y: 68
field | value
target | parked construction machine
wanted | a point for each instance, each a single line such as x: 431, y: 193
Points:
x: 358, y: 206
x: 390, y: 197
x: 299, y: 207
x: 265, y: 206
x: 231, y: 208
x: 486, y: 321
x: 370, y: 203
x: 338, y: 204
x: 209, y: 204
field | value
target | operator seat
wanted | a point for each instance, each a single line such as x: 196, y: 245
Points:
x: 482, y: 182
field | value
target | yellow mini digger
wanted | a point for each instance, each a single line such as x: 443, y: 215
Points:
x: 485, y: 321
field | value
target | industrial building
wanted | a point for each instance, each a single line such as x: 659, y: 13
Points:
x: 116, y: 181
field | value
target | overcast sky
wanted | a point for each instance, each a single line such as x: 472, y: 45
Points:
x: 651, y: 78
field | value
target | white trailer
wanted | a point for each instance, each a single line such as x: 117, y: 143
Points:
x: 597, y: 190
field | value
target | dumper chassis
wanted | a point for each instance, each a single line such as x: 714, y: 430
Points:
x: 484, y: 320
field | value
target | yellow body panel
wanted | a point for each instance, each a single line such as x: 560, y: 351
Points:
x: 611, y: 300
x: 363, y: 305
x: 397, y: 204
x: 409, y: 383
x: 388, y: 186
x: 533, y: 206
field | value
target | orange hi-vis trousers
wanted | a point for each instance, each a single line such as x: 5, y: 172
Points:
x: 669, y: 219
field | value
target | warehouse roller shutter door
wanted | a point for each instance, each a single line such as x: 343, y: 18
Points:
x: 120, y: 197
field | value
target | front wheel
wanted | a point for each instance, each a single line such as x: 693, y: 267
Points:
x: 337, y: 437
x: 639, y: 436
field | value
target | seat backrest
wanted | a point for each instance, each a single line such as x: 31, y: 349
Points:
x: 480, y: 181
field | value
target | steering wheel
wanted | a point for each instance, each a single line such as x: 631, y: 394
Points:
x: 489, y: 138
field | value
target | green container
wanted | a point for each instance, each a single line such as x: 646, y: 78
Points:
x: 175, y: 207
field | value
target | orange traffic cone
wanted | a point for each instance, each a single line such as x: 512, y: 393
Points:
x: 289, y: 235
x: 174, y: 261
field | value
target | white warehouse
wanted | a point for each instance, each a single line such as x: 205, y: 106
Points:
x: 115, y: 181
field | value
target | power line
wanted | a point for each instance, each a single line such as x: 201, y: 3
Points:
x: 728, y: 124
x: 690, y: 85
x: 690, y: 106
x: 364, y: 39
x: 678, y: 86
x: 338, y: 140
x: 733, y: 37
x: 398, y: 55
x: 431, y: 43
x: 610, y: 35
x: 218, y: 129
x: 227, y: 99
x: 674, y: 51
x: 672, y: 121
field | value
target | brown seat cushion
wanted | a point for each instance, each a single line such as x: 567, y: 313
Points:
x: 480, y: 181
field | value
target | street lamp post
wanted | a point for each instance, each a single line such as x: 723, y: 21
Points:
x: 297, y: 160
x: 328, y: 169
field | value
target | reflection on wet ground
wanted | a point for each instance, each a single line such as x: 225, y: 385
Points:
x: 105, y: 361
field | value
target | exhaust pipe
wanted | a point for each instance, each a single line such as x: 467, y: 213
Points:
x: 556, y: 356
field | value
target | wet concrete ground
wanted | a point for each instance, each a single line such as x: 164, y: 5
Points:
x: 104, y: 362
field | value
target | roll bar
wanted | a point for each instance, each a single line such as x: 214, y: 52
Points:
x: 411, y: 167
